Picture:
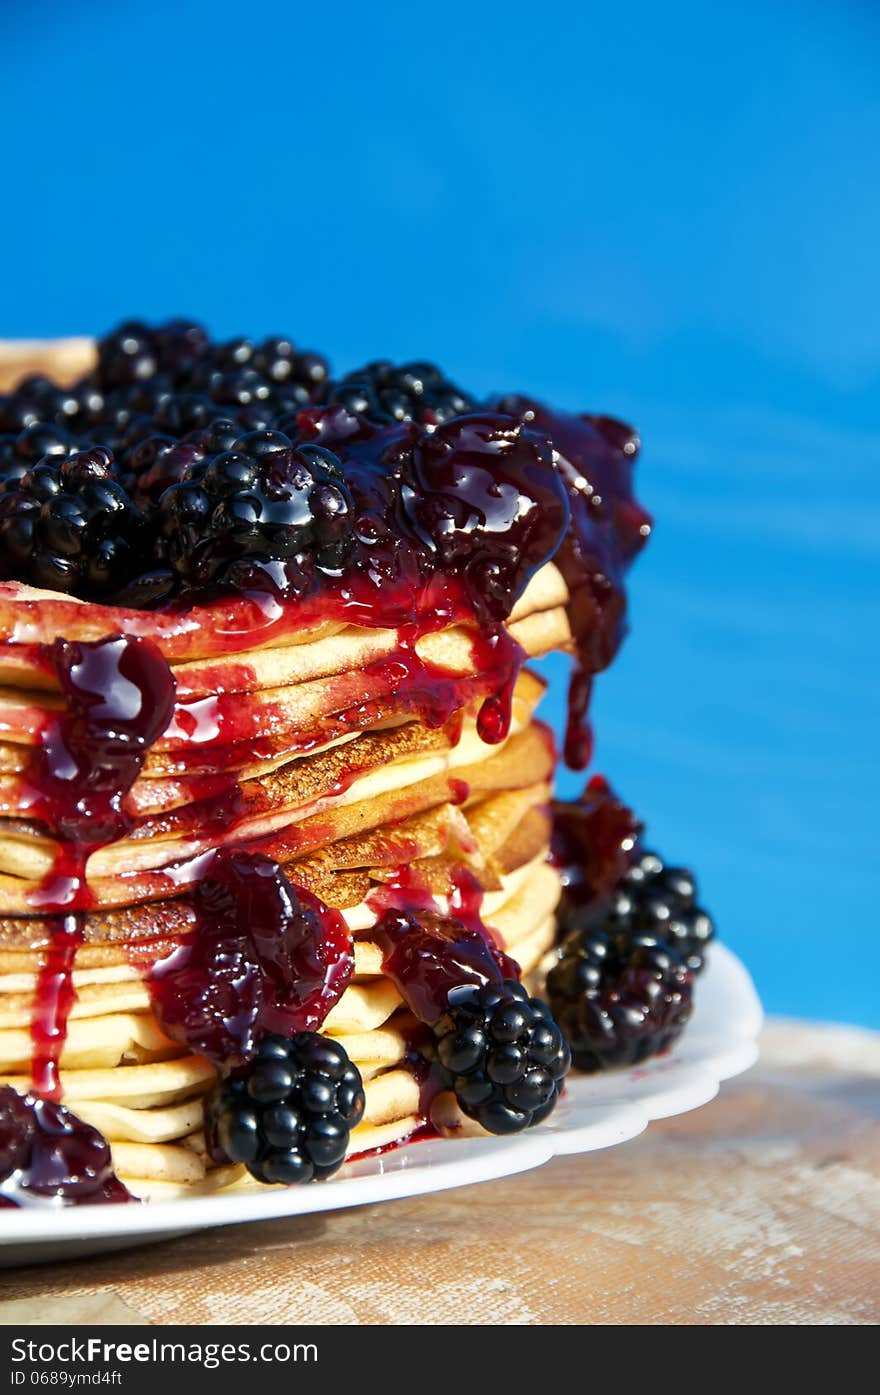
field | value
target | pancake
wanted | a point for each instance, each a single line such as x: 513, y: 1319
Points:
x: 159, y: 867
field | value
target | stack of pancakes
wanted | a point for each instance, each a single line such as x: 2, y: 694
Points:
x: 336, y: 778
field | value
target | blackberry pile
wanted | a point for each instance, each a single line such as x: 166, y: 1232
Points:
x: 622, y: 989
x: 67, y: 525
x: 210, y: 476
x: 502, y: 1054
x: 288, y: 1117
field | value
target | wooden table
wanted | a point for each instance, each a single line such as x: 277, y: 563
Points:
x: 763, y: 1208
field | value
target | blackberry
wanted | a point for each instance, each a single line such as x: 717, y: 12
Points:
x: 482, y: 494
x: 238, y: 387
x: 41, y: 439
x: 136, y: 354
x: 184, y: 412
x: 288, y: 1117
x: 12, y: 467
x: 220, y: 436
x: 234, y: 353
x: 145, y: 471
x: 241, y: 372
x: 619, y: 996
x: 502, y: 1054
x: 84, y: 407
x: 17, y: 412
x: 37, y: 399
x: 263, y: 500
x: 158, y: 460
x: 70, y: 526
x: 299, y: 375
x: 385, y: 392
x: 19, y: 453
x: 655, y: 899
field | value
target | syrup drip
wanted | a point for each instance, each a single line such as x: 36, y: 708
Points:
x: 118, y: 698
x: 578, y: 744
x: 479, y: 513
x: 594, y: 839
x: 607, y: 529
x: 266, y: 957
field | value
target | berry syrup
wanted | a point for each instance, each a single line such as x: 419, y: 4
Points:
x: 48, y: 1156
x: 427, y: 955
x: 53, y: 1000
x: 118, y: 698
x: 451, y: 524
x: 607, y: 529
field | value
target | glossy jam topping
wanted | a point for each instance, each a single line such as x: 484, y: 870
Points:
x: 427, y: 951
x: 594, y: 842
x: 427, y: 955
x: 333, y: 518
x: 54, y: 997
x: 118, y: 697
x: 445, y: 524
x: 48, y: 1155
x: 266, y: 957
x: 481, y: 496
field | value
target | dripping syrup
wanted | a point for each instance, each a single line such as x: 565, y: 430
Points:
x: 118, y: 698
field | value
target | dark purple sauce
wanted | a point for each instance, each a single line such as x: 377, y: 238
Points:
x: 118, y: 699
x: 266, y: 957
x: 607, y: 529
x: 427, y: 955
x: 54, y: 997
x: 47, y: 1153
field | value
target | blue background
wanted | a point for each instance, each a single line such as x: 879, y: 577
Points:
x: 668, y: 212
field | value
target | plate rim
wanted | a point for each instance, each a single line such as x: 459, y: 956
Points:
x: 619, y: 1119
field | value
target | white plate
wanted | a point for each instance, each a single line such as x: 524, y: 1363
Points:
x: 596, y: 1112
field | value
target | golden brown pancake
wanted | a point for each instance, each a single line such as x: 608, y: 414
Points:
x: 298, y: 737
